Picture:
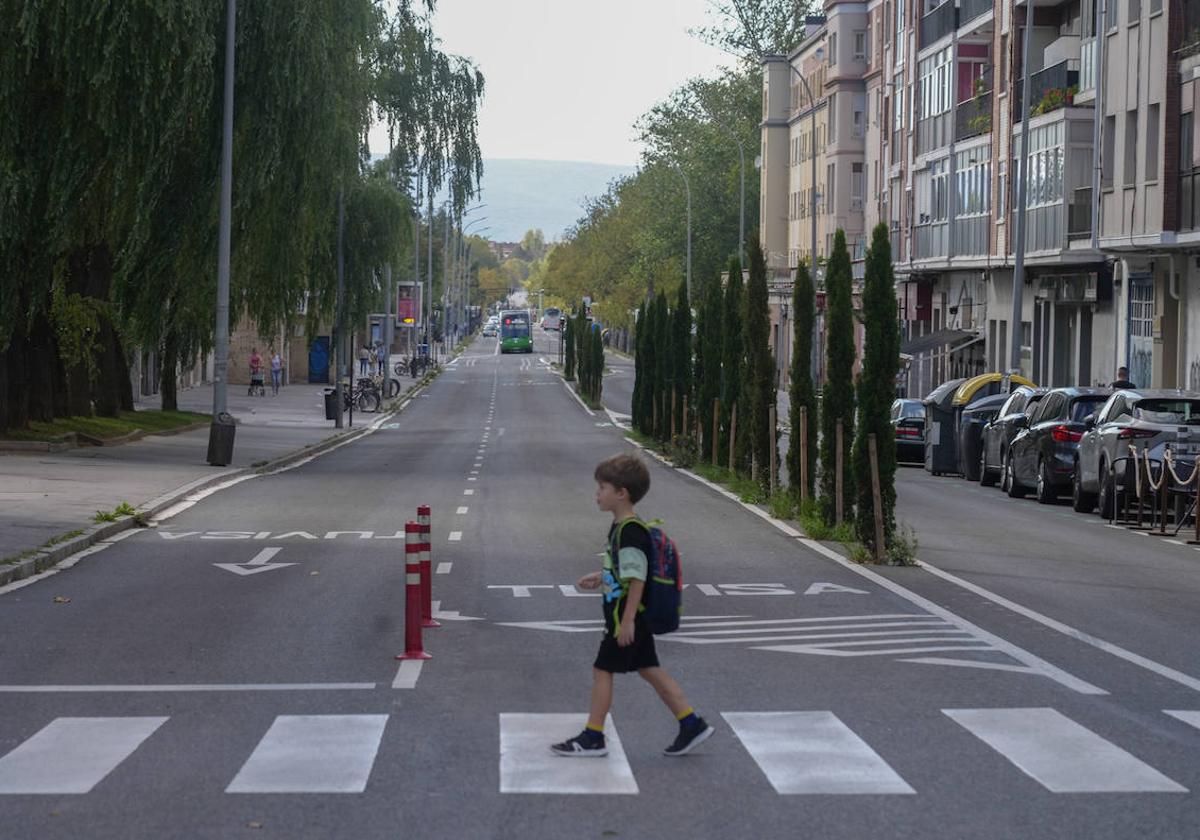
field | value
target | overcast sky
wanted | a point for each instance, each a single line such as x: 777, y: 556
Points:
x: 566, y: 79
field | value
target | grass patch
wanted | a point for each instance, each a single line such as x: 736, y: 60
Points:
x: 107, y: 427
x: 123, y: 509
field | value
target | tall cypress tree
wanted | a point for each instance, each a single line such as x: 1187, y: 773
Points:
x: 712, y: 329
x: 877, y: 389
x: 597, y: 365
x: 681, y: 334
x: 639, y: 372
x: 731, y: 356
x: 801, y: 390
x: 650, y: 368
x: 838, y: 396
x: 569, y: 357
x: 760, y: 365
x: 662, y: 359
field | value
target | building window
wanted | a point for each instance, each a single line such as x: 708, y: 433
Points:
x: 833, y: 39
x: 934, y: 84
x: 860, y: 46
x: 1044, y: 176
x: 857, y: 186
x: 830, y: 174
x: 1131, y: 128
x: 832, y: 119
x: 1135, y: 10
x: 1002, y: 191
x: 1108, y: 151
x: 1152, y: 143
x: 1155, y: 6
x: 973, y: 183
x: 858, y: 114
x: 1110, y: 14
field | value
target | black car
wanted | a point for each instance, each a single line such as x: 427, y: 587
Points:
x: 999, y: 433
x: 971, y: 423
x: 908, y: 421
x: 1042, y: 455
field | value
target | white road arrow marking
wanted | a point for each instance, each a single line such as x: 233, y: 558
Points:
x: 260, y: 563
x: 451, y: 615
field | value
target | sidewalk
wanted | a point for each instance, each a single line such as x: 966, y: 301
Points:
x: 43, y: 495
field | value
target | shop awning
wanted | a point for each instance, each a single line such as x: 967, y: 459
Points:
x: 934, y: 340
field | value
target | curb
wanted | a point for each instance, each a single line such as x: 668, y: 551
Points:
x: 41, y: 559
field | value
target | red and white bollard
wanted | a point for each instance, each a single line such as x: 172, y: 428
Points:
x: 424, y: 520
x: 412, y: 594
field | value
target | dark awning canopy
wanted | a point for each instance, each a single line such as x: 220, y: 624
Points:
x: 932, y: 341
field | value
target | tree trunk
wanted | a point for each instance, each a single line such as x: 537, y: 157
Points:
x: 18, y: 381
x: 39, y: 362
x: 168, y: 377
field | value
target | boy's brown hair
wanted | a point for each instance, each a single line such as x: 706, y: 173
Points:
x: 625, y: 472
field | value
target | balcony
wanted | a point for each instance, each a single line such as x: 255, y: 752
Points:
x: 971, y: 9
x: 1079, y: 215
x: 973, y: 117
x: 939, y: 23
x: 1052, y: 88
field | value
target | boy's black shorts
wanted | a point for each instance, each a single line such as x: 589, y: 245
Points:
x: 621, y: 660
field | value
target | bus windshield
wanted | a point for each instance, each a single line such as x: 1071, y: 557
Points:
x: 514, y: 325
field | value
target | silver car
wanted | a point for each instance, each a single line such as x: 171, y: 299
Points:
x: 1151, y: 420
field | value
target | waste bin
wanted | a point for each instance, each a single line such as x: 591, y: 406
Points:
x: 220, y: 439
x: 941, y: 438
x: 971, y: 421
x: 330, y: 403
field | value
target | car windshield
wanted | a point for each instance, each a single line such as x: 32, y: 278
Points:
x: 1084, y: 406
x: 907, y: 408
x: 515, y: 326
x: 1168, y: 411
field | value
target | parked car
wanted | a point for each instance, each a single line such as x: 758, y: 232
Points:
x: 1151, y: 419
x: 999, y: 433
x: 1043, y: 453
x: 491, y: 328
x: 908, y: 423
x: 971, y: 423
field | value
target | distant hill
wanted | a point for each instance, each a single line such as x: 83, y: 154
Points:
x: 546, y: 194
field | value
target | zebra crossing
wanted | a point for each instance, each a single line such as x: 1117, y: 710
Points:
x: 796, y: 752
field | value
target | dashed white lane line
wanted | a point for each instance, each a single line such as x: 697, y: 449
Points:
x: 455, y: 536
x: 408, y: 673
x: 461, y: 511
x: 474, y: 472
x: 443, y: 569
x: 472, y: 478
x: 469, y: 492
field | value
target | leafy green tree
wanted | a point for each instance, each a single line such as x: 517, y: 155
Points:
x: 760, y: 365
x: 837, y: 403
x: 681, y: 337
x: 751, y: 29
x: 709, y: 352
x: 877, y: 389
x: 801, y: 391
x: 731, y: 363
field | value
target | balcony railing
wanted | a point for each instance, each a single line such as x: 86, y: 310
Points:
x: 1079, y: 215
x: 933, y: 133
x: 971, y: 9
x: 973, y: 117
x: 939, y: 23
x: 1059, y: 77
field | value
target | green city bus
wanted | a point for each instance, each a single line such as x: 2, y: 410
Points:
x: 515, y: 333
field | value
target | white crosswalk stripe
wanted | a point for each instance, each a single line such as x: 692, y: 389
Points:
x: 813, y: 752
x: 528, y: 766
x: 313, y: 754
x: 1060, y: 754
x: 73, y: 754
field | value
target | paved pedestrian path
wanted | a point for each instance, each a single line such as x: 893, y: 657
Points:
x: 43, y: 495
x: 803, y: 752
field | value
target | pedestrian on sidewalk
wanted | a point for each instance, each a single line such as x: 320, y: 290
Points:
x: 256, y: 374
x: 381, y: 358
x: 276, y: 371
x: 1122, y: 380
x: 621, y: 482
x: 364, y: 360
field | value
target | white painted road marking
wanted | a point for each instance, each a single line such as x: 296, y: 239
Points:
x: 72, y: 755
x: 443, y: 569
x: 813, y: 752
x: 1188, y: 717
x: 312, y: 754
x: 528, y: 766
x: 468, y: 492
x: 182, y: 688
x: 260, y: 562
x: 455, y: 536
x: 408, y: 673
x: 1060, y: 754
x: 461, y: 511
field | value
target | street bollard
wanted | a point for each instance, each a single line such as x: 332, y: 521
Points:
x: 424, y: 520
x: 412, y: 594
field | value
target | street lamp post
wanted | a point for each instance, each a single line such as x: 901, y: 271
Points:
x: 688, y: 189
x: 220, y: 454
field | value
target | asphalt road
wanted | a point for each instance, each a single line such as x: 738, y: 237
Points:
x: 197, y: 685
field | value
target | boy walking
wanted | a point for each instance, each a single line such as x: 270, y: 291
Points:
x: 621, y: 482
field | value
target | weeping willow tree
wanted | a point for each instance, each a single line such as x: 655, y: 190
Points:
x: 109, y: 168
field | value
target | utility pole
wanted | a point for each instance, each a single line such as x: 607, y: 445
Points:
x: 220, y: 454
x: 429, y: 280
x: 1015, y: 325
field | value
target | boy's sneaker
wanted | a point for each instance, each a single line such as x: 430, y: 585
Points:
x: 690, y: 737
x: 584, y: 745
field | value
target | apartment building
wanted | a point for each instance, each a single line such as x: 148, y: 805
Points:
x: 1112, y: 208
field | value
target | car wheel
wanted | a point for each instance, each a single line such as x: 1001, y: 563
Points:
x: 1015, y: 490
x: 971, y: 469
x: 1045, y: 485
x: 1081, y: 502
x: 1108, y: 491
x: 986, y: 477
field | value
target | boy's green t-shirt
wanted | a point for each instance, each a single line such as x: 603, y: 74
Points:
x: 626, y: 558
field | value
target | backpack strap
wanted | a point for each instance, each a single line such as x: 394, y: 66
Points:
x: 614, y: 547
